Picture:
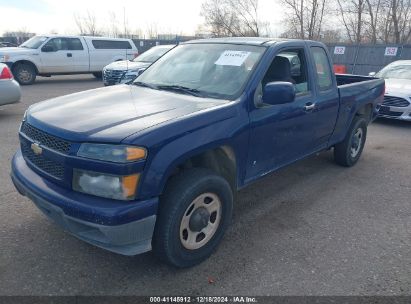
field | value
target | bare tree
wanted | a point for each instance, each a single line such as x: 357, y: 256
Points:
x: 114, y: 30
x: 152, y: 30
x: 373, y: 9
x: 305, y: 18
x: 352, y: 16
x: 231, y: 17
x: 393, y: 25
x: 87, y: 24
x: 401, y: 14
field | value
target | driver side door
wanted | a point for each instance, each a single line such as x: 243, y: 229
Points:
x: 282, y: 133
x: 56, y: 57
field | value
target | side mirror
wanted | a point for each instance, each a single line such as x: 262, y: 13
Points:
x: 372, y: 74
x: 47, y: 49
x: 275, y: 93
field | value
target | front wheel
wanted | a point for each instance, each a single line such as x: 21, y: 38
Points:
x: 98, y: 75
x: 194, y: 213
x: 349, y: 151
x: 24, y: 73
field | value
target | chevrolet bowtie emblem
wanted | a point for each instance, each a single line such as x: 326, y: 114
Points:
x: 36, y: 148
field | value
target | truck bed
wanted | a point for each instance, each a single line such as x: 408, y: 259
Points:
x: 356, y: 91
x: 343, y: 79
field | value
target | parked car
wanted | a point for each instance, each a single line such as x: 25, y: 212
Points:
x: 397, y: 99
x: 61, y: 55
x: 7, y: 44
x: 126, y: 71
x: 9, y: 89
x: 155, y: 164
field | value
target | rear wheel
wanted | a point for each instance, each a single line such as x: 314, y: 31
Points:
x: 349, y: 151
x: 24, y: 73
x: 195, y: 211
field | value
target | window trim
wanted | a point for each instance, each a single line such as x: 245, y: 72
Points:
x: 97, y: 41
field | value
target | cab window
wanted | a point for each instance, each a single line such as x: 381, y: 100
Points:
x: 58, y: 44
x: 289, y: 66
x: 323, y: 69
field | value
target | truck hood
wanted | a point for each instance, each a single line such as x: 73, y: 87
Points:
x: 393, y: 86
x: 127, y: 65
x: 113, y: 113
x: 16, y: 50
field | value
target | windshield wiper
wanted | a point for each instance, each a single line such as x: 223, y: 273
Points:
x: 145, y: 84
x: 182, y: 89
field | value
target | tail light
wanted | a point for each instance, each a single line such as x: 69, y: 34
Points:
x: 6, y: 74
x: 136, y: 55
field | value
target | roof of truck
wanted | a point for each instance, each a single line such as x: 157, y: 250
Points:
x: 83, y: 36
x: 243, y: 40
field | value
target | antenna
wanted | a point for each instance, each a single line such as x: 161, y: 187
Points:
x: 125, y: 33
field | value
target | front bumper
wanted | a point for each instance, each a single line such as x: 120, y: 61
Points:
x: 124, y: 228
x: 113, y: 77
x: 400, y: 113
x: 395, y: 110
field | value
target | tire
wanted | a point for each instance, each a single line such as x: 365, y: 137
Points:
x: 349, y: 151
x: 181, y: 217
x: 98, y: 75
x: 24, y: 73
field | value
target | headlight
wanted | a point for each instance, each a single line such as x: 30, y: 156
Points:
x: 105, y: 185
x: 112, y: 153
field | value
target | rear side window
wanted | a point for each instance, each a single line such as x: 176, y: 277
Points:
x: 324, y: 74
x: 75, y: 44
x: 111, y: 45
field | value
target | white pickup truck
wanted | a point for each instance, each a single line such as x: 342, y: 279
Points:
x: 61, y: 55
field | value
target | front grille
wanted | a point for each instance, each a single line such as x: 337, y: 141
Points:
x: 47, y: 165
x: 45, y: 139
x: 112, y: 76
x: 392, y: 101
x: 386, y: 111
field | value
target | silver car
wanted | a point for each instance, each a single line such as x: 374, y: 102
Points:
x: 9, y: 88
x: 397, y: 99
x: 126, y: 71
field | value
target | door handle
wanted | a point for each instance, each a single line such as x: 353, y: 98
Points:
x: 69, y: 55
x: 309, y: 106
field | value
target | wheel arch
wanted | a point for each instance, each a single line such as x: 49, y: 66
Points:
x: 25, y: 61
x: 221, y: 159
x: 365, y: 111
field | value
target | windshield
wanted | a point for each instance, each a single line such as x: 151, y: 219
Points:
x: 209, y: 70
x: 34, y: 43
x: 395, y: 71
x: 152, y: 54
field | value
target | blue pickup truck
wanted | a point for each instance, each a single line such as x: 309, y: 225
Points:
x: 156, y: 164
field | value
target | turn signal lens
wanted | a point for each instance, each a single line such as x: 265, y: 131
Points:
x: 129, y: 184
x: 134, y: 153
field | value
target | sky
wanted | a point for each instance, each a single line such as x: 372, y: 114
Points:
x: 168, y: 16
